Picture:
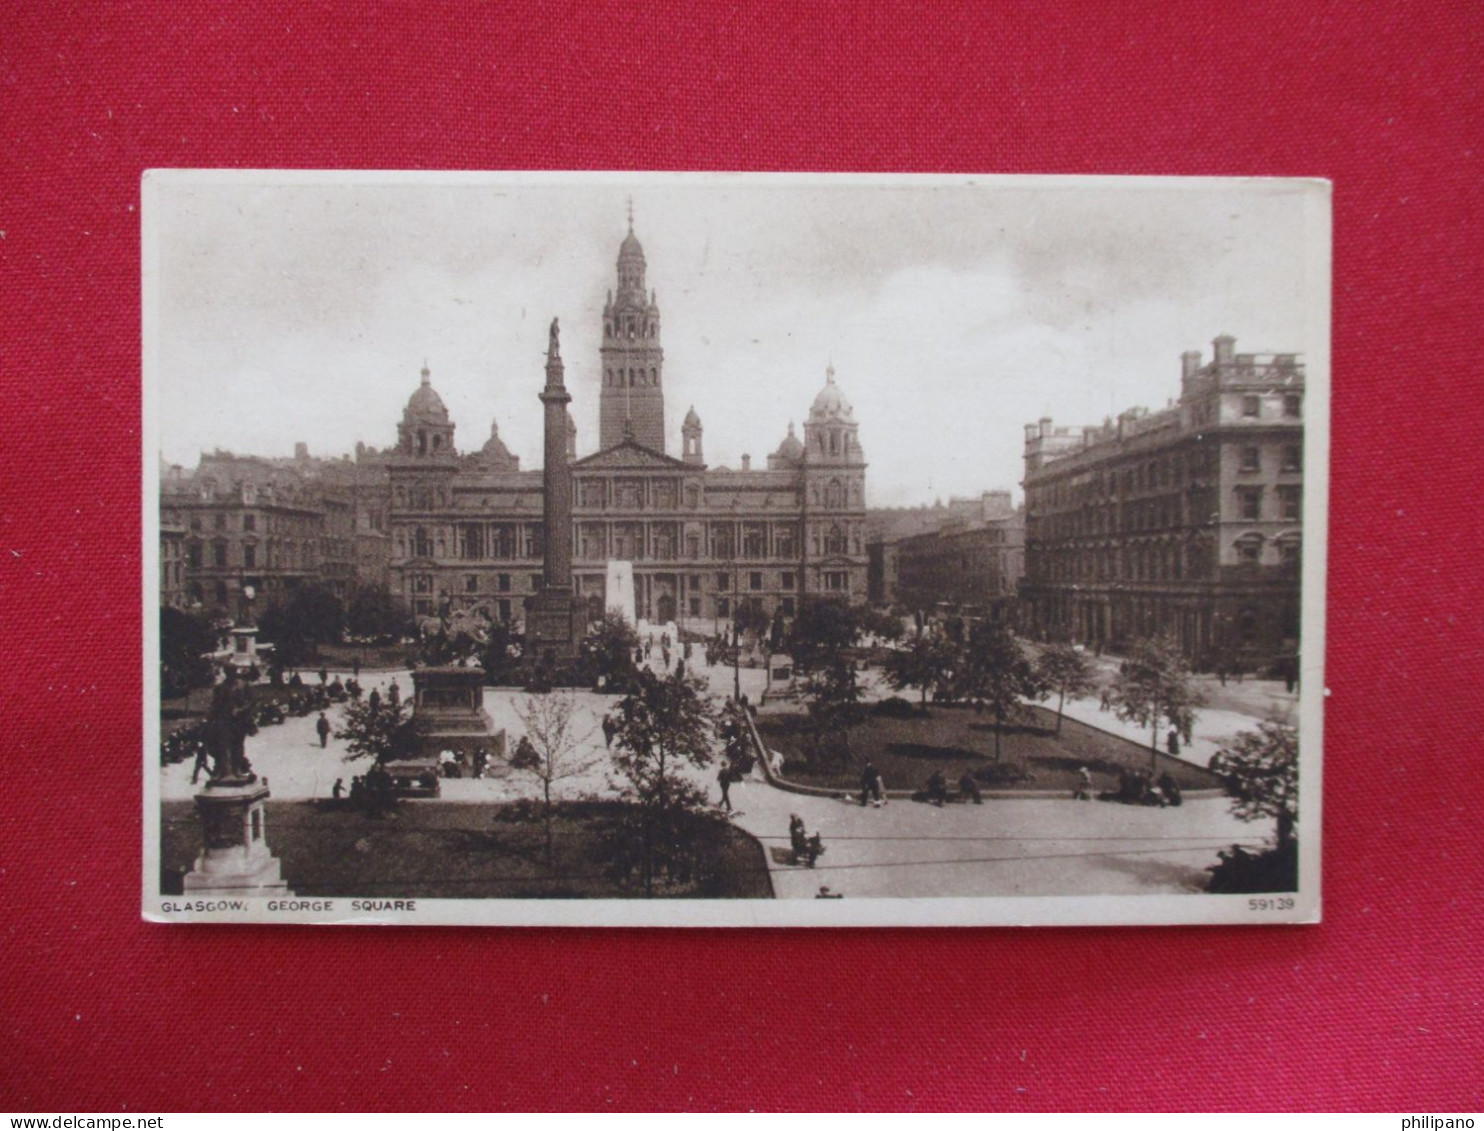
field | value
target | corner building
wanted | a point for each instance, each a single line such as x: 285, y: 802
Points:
x: 467, y: 530
x: 1187, y: 520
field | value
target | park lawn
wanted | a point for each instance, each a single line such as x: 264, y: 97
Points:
x: 448, y: 850
x: 956, y: 739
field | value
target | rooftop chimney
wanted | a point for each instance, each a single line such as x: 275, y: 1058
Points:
x: 1225, y: 347
x: 1190, y: 361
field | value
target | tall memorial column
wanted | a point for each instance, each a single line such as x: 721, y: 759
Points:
x: 554, y: 620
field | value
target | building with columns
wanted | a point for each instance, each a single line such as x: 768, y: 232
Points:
x: 466, y: 529
x: 1187, y: 520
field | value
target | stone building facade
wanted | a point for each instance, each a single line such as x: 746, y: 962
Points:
x: 466, y: 530
x: 971, y: 566
x: 1187, y: 520
x: 259, y: 525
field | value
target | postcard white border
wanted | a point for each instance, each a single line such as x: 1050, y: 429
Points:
x: 1004, y: 911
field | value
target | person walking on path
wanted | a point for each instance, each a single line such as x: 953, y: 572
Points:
x: 203, y: 753
x: 1083, y: 792
x: 873, y: 790
x: 394, y: 694
x: 1172, y: 743
x: 322, y: 728
x: 338, y: 789
x: 724, y: 779
x: 609, y: 727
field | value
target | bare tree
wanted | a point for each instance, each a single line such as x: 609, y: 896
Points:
x: 556, y: 748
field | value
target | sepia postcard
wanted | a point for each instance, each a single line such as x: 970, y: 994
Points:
x: 672, y: 549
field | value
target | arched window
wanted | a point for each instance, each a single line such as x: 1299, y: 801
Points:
x: 834, y: 542
x: 422, y: 543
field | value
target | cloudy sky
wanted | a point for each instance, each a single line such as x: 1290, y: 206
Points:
x: 954, y: 311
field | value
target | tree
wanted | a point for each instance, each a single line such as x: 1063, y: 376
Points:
x: 557, y: 751
x: 1154, y: 685
x: 880, y: 623
x: 833, y: 695
x: 824, y: 629
x: 995, y: 674
x: 661, y: 730
x: 751, y: 618
x: 1261, y: 771
x: 375, y: 612
x: 185, y: 641
x: 1066, y: 671
x: 608, y: 652
x: 382, y: 731
x: 311, y: 616
x: 924, y: 662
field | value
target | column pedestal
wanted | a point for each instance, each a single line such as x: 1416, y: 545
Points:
x: 234, y: 828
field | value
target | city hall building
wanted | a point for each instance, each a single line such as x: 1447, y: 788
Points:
x: 1185, y: 521
x: 465, y: 529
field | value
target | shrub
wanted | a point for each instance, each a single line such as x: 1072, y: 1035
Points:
x: 1002, y: 773
x: 1241, y: 871
x: 895, y: 708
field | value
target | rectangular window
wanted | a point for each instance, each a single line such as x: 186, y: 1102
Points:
x: 788, y: 606
x: 695, y: 581
x: 1249, y: 501
x: 1251, y: 405
x: 249, y: 557
x: 723, y: 608
x: 249, y: 522
x: 503, y: 582
x: 471, y: 583
x: 1290, y: 499
x: 535, y: 583
x: 754, y: 581
x: 695, y: 606
x: 1293, y: 404
x: 836, y: 581
x: 1251, y: 459
x: 723, y: 582
x: 1249, y: 552
x: 196, y: 524
x: 219, y: 551
x: 786, y: 579
x: 221, y: 522
x: 1293, y: 458
x: 504, y: 606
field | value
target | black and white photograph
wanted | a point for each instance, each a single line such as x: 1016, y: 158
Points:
x: 733, y: 549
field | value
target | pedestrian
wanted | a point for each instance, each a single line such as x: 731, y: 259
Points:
x: 394, y: 694
x: 1172, y: 743
x: 338, y: 789
x: 609, y: 728
x: 324, y: 677
x: 724, y: 779
x: 968, y: 789
x: 1083, y: 792
x: 202, y: 754
x: 873, y: 790
x: 323, y: 729
x: 374, y: 700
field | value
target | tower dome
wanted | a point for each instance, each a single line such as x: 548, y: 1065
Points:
x: 426, y: 429
x: 792, y: 448
x: 830, y: 404
x: 425, y: 405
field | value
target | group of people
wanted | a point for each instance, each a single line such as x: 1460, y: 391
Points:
x: 1140, y: 787
x: 373, y: 791
x: 937, y: 789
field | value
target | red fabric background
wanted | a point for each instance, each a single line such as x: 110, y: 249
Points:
x: 1377, y: 1008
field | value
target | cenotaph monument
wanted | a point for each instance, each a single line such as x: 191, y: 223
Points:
x: 619, y: 592
x: 555, y: 619
x: 234, y: 819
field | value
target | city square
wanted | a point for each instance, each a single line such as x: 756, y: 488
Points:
x: 382, y: 674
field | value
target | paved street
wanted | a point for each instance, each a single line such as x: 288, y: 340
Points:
x: 1004, y: 847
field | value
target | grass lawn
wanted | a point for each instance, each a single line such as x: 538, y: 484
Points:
x: 445, y: 850
x: 955, y: 739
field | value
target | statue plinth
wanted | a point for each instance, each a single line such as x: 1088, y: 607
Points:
x: 448, y: 714
x: 555, y: 624
x: 234, y: 830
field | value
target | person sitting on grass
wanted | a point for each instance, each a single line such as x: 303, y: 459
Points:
x: 937, y: 789
x: 1170, y: 788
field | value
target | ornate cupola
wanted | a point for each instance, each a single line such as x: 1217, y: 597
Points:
x: 425, y: 430
x: 632, y: 403
x: 690, y: 433
x: 830, y: 432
